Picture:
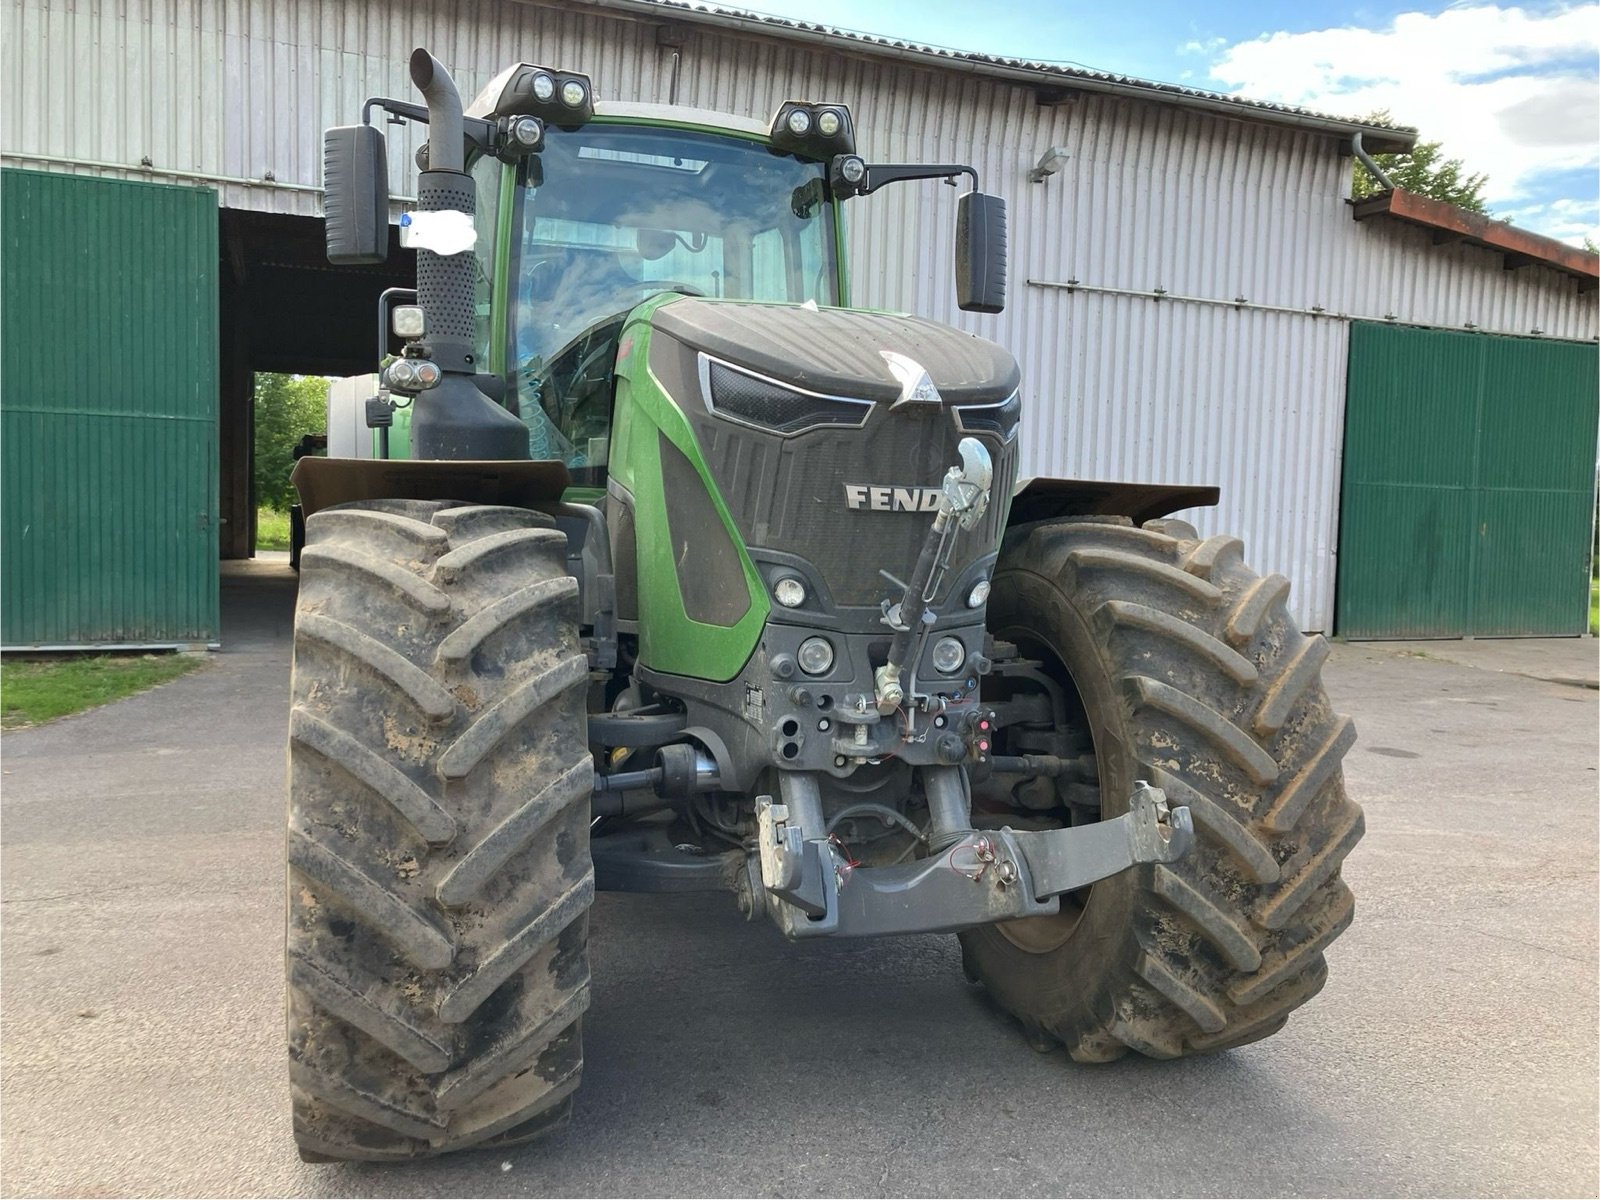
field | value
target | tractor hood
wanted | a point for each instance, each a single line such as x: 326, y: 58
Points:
x: 819, y: 432
x: 843, y: 352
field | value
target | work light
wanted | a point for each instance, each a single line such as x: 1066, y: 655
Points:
x: 818, y: 131
x: 948, y: 655
x: 816, y: 656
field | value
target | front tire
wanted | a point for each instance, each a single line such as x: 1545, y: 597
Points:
x: 438, y: 848
x: 1189, y: 673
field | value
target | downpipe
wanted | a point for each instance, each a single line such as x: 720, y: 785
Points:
x: 453, y: 419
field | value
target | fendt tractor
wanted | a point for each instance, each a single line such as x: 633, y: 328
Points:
x: 687, y: 576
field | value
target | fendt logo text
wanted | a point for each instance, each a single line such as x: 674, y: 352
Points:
x: 891, y: 499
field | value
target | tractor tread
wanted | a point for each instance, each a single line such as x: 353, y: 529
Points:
x: 1302, y: 672
x: 467, y: 522
x: 437, y: 949
x: 364, y: 566
x: 1276, y: 911
x: 338, y: 997
x: 475, y: 868
x: 500, y: 720
x: 1235, y: 744
x: 489, y: 547
x: 421, y: 811
x: 512, y: 1051
x: 461, y: 642
x: 416, y: 685
x: 1253, y: 607
x: 1149, y: 568
x: 1208, y: 556
x: 1322, y: 767
x: 1228, y: 934
x: 464, y: 997
x: 1289, y: 962
x: 1205, y: 1012
x: 365, y: 522
x: 401, y: 925
x: 1253, y: 854
x: 1143, y: 616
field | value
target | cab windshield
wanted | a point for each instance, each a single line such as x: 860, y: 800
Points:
x: 608, y: 216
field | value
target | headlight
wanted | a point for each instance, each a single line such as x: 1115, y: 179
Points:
x: 948, y: 655
x: 572, y: 93
x: 799, y: 122
x: 816, y: 656
x: 789, y: 592
x: 544, y: 86
x: 978, y: 594
x: 827, y: 122
x: 402, y: 374
x: 999, y: 418
x: 527, y: 131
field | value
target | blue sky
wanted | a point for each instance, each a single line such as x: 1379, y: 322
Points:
x: 1510, y: 89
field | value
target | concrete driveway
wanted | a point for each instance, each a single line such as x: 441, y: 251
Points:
x: 1452, y: 1052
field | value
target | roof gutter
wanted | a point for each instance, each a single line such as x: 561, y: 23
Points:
x: 1384, y: 140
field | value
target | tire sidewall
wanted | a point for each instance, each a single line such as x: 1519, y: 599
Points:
x: 1075, y: 977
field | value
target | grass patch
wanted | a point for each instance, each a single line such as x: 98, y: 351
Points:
x: 32, y: 693
x: 272, y: 529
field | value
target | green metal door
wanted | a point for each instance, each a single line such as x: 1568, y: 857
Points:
x: 1469, y: 470
x: 108, y: 412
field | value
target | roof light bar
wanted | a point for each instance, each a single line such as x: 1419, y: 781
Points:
x: 564, y: 99
x: 818, y: 131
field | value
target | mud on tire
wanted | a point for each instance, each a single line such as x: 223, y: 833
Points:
x: 1193, y: 676
x: 438, y: 847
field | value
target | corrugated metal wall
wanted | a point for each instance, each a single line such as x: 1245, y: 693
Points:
x: 1468, y: 485
x: 1153, y: 197
x: 108, y: 431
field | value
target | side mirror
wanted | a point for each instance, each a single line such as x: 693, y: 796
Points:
x: 355, y: 194
x: 981, y: 253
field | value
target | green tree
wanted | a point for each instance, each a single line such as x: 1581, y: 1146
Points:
x: 1425, y: 170
x: 287, y: 408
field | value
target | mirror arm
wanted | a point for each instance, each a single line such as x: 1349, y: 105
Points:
x: 479, y: 132
x: 879, y: 174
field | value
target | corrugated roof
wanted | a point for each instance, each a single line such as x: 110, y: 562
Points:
x: 1046, y: 75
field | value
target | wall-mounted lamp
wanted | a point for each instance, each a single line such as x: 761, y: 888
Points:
x: 1051, y: 161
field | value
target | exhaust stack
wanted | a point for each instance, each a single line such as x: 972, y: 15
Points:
x: 453, y: 420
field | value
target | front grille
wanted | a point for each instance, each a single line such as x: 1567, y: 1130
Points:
x: 754, y: 400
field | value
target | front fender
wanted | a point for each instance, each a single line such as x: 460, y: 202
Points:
x: 1041, y: 499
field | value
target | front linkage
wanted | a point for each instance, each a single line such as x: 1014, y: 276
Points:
x: 812, y: 889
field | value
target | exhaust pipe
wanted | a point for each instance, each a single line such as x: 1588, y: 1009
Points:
x: 446, y: 131
x: 453, y: 420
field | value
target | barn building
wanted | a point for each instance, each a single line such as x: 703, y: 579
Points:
x: 1397, y: 400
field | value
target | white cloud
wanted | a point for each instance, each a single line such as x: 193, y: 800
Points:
x: 1510, y: 91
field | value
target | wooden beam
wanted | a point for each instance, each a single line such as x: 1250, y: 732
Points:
x: 1447, y: 222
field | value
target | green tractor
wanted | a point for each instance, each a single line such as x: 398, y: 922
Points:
x: 691, y: 577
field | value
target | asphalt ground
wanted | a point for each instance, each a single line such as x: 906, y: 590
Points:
x: 1453, y: 1050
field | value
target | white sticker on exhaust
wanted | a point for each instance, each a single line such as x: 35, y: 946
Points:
x: 445, y: 232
